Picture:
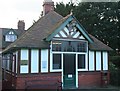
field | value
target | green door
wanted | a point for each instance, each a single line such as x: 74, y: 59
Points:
x: 69, y: 71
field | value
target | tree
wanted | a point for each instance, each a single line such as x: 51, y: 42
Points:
x: 64, y: 9
x: 99, y: 19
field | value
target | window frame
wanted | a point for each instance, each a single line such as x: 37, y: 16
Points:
x: 57, y: 60
x: 59, y: 46
x: 10, y: 36
x: 60, y: 52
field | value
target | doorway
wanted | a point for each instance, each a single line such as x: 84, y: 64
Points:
x: 69, y: 70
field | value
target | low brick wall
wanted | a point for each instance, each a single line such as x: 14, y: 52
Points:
x: 89, y: 79
x: 30, y: 80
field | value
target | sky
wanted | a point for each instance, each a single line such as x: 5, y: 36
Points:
x: 11, y: 11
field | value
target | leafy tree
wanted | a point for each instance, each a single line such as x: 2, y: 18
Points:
x: 100, y: 19
x: 64, y: 9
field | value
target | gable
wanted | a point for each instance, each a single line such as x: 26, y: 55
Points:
x: 71, y: 33
x: 10, y: 32
x: 69, y: 27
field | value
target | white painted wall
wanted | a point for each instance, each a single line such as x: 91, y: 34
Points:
x: 98, y: 60
x: 81, y: 37
x: 91, y: 61
x: 24, y: 56
x: 57, y: 35
x: 13, y: 65
x: 76, y: 35
x: 66, y: 30
x: 63, y: 34
x: 105, y: 61
x: 34, y: 61
x: 44, y: 60
x: 16, y: 61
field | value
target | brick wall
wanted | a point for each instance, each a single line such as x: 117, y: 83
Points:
x: 9, y: 80
x: 89, y: 79
x: 48, y: 80
x: 41, y: 81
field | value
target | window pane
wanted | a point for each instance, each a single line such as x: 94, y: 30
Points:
x: 56, y: 46
x: 81, y: 61
x: 56, y: 61
x: 82, y: 47
x: 10, y: 37
x: 69, y: 46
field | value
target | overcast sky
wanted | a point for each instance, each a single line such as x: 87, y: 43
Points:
x: 11, y: 11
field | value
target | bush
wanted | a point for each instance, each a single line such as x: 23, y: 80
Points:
x: 114, y: 75
x: 115, y: 60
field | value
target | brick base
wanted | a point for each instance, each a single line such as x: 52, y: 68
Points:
x: 42, y: 81
x: 50, y: 80
x: 91, y: 79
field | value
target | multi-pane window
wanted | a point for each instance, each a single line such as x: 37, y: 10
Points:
x: 56, y: 46
x: 81, y: 47
x: 81, y: 61
x: 10, y: 37
x: 56, y: 61
x: 61, y: 47
x: 69, y: 46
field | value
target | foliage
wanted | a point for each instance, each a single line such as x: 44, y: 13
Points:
x: 103, y: 21
x: 115, y: 60
x: 99, y: 19
x: 114, y: 75
x: 64, y: 9
x: 114, y: 70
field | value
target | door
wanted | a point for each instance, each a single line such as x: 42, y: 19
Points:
x: 69, y: 71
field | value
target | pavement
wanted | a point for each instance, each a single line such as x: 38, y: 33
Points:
x: 108, y: 88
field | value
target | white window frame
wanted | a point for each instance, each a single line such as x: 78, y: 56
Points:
x: 56, y: 52
x: 86, y: 62
x: 10, y: 37
x: 24, y: 56
x: 44, y: 60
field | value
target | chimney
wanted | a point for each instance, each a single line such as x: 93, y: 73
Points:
x: 48, y: 5
x: 21, y: 25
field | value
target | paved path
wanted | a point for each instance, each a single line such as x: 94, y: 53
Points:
x: 93, y: 90
x: 109, y: 88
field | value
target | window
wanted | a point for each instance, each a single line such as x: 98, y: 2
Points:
x: 56, y: 46
x: 61, y: 47
x: 24, y: 61
x: 56, y: 61
x: 81, y: 61
x: 10, y: 37
x: 69, y: 46
x: 24, y: 57
x: 44, y: 60
x: 81, y: 47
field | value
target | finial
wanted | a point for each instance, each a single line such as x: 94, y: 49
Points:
x: 71, y: 13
